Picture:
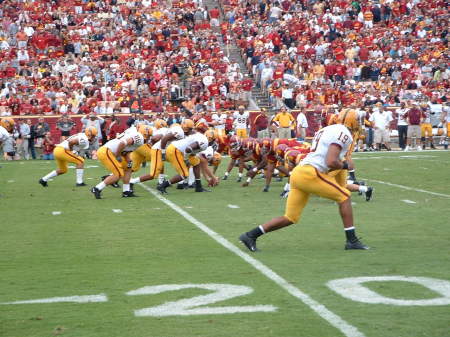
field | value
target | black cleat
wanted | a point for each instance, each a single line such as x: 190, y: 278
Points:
x: 355, y: 245
x: 162, y: 187
x: 96, y: 192
x: 266, y: 189
x: 249, y: 242
x: 225, y: 177
x: 369, y: 193
x: 80, y: 184
x: 180, y: 186
x: 131, y: 187
x: 43, y: 182
x: 201, y: 189
x: 280, y: 179
x: 239, y: 180
x: 128, y: 194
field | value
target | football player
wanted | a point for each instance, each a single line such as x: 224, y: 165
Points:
x: 67, y: 152
x: 163, y: 137
x: 235, y: 152
x: 115, y: 155
x: 346, y: 117
x: 315, y: 176
x: 183, y: 150
x: 240, y: 122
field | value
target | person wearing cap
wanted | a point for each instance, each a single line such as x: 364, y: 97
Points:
x: 285, y: 120
x: 414, y: 118
x: 261, y: 123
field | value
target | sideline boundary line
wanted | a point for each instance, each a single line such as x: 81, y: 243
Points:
x: 335, y: 320
x: 409, y: 188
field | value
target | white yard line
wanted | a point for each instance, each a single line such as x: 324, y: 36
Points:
x: 72, y: 299
x: 233, y: 206
x: 409, y: 188
x: 406, y: 201
x: 335, y: 320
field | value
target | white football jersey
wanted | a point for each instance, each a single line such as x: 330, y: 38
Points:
x: 220, y: 119
x: 123, y: 138
x: 83, y: 142
x: 208, y: 153
x: 4, y: 134
x: 240, y: 121
x: 189, y: 140
x: 333, y: 134
x: 176, y: 130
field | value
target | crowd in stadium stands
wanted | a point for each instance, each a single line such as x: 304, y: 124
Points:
x: 109, y: 56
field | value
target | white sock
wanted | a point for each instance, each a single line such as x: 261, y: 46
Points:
x: 262, y: 229
x: 249, y: 179
x: 101, y: 186
x: 80, y: 176
x: 240, y: 175
x: 135, y: 180
x: 161, y: 178
x: 126, y: 187
x: 286, y: 187
x: 362, y: 189
x: 50, y: 175
x: 191, y: 178
x: 349, y: 228
x: 275, y: 171
x: 227, y: 173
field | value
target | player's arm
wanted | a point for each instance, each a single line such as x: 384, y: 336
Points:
x: 332, y: 159
x: 192, y: 147
x: 165, y: 139
x: 74, y: 141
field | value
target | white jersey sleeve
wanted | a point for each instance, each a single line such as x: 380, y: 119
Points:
x: 199, y: 138
x: 123, y: 138
x: 158, y: 132
x: 82, y: 142
x: 177, y: 131
x: 333, y: 134
x: 208, y: 153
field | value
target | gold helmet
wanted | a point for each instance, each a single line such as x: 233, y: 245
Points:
x: 91, y: 132
x: 175, y: 124
x: 7, y: 123
x: 145, y: 130
x: 187, y: 125
x: 350, y: 119
x: 160, y: 123
x: 210, y: 135
x: 216, y: 159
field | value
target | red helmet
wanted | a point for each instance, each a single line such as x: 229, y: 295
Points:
x: 293, y: 156
x: 265, y: 145
x: 235, y: 143
x: 280, y: 151
x: 249, y: 144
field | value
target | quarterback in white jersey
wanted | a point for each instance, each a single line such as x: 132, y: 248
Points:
x: 182, y: 151
x: 115, y: 155
x: 334, y: 134
x: 316, y: 175
x: 240, y: 122
x: 67, y: 152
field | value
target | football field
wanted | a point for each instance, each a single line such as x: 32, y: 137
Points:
x: 172, y: 266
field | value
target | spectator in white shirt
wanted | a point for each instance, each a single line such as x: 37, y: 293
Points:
x: 302, y: 125
x: 381, y: 120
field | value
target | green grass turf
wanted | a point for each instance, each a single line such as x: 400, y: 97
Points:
x: 89, y: 250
